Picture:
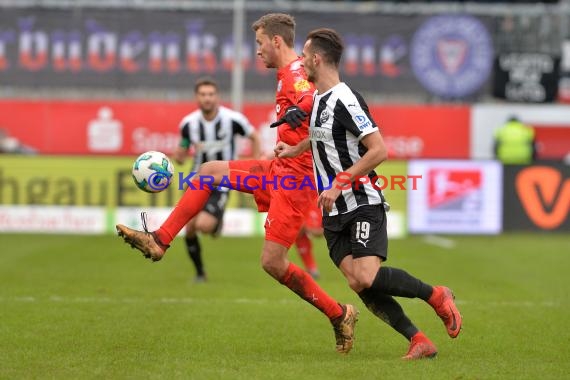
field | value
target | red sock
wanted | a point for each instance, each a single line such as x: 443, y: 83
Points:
x: 303, y: 284
x: 305, y: 249
x: 191, y: 203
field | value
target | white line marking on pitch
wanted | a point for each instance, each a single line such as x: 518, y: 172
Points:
x: 439, y: 241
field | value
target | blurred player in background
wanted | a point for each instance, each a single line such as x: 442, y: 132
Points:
x: 345, y: 139
x: 286, y: 206
x: 211, y: 132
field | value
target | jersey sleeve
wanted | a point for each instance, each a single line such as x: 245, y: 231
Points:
x: 357, y: 119
x: 241, y: 125
x: 185, y: 141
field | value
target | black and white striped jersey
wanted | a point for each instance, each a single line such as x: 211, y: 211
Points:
x: 215, y: 139
x: 339, y: 120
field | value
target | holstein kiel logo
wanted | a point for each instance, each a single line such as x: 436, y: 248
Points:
x: 452, y: 188
x: 452, y: 56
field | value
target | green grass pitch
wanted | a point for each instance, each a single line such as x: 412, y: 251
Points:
x: 89, y: 307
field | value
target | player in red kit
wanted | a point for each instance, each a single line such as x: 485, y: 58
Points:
x: 277, y: 185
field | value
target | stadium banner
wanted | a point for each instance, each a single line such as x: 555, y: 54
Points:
x: 238, y: 222
x: 526, y: 77
x: 91, y: 194
x: 133, y: 127
x: 537, y: 197
x: 449, y: 56
x: 551, y: 124
x: 53, y: 219
x: 455, y: 197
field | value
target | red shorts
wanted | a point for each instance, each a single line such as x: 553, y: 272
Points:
x: 314, y: 217
x: 287, y: 206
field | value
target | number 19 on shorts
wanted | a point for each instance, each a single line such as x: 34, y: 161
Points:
x: 362, y: 230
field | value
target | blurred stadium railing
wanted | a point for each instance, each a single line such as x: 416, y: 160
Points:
x: 391, y: 26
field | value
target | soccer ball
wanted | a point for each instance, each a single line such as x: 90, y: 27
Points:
x: 152, y: 171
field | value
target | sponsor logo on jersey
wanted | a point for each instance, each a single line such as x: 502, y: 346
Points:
x: 302, y: 85
x: 362, y: 121
x: 320, y: 134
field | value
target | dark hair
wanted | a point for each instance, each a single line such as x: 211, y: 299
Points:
x: 277, y: 24
x: 205, y: 81
x: 328, y: 43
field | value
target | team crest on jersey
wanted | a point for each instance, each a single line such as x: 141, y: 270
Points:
x: 279, y: 85
x: 324, y: 117
x: 302, y: 85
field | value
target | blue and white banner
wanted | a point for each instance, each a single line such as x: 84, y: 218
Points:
x: 132, y: 49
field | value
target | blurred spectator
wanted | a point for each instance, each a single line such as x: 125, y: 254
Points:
x: 515, y: 143
x: 10, y: 144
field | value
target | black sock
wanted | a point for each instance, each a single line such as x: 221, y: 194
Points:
x: 398, y: 283
x: 195, y: 253
x: 389, y: 310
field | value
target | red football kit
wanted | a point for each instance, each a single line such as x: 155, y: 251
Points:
x: 286, y: 205
x: 275, y: 185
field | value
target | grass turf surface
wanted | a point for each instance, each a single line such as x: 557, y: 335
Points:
x: 90, y: 307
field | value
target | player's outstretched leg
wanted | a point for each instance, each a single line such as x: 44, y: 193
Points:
x: 146, y: 242
x: 442, y: 301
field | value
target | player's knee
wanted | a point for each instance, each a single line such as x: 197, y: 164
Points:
x: 361, y: 280
x: 207, y: 168
x: 214, y: 168
x: 273, y: 265
x: 354, y: 284
x: 205, y: 227
x: 269, y: 265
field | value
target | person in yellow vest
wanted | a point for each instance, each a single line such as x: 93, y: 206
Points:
x: 515, y: 143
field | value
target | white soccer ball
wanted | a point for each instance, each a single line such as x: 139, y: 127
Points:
x: 152, y: 171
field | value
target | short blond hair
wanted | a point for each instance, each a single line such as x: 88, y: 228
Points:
x: 277, y: 24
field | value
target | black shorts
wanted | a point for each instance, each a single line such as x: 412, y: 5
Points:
x: 216, y: 206
x: 361, y: 232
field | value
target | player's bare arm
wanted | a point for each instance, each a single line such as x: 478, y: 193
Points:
x: 180, y: 155
x: 283, y: 150
x: 255, y: 145
x: 376, y: 154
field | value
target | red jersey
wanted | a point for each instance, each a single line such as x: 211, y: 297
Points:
x: 293, y: 88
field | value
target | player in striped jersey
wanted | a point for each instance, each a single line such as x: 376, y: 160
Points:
x: 346, y: 146
x: 211, y: 131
